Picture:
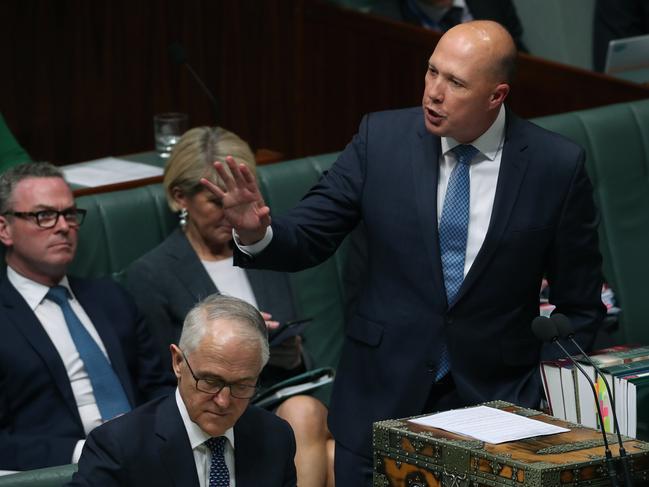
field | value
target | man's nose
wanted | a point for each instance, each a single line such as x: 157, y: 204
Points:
x: 223, y: 397
x: 62, y: 224
x: 436, y: 91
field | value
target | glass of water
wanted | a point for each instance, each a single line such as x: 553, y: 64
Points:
x: 167, y: 130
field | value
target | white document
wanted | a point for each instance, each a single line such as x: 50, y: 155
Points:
x: 489, y: 424
x: 108, y: 170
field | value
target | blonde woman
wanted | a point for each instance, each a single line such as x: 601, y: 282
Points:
x: 196, y: 260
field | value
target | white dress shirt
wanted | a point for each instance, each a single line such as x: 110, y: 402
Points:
x: 51, y: 317
x: 202, y: 454
x: 483, y: 174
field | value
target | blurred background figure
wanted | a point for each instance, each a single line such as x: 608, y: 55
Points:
x: 196, y: 260
x: 617, y: 19
x: 441, y: 15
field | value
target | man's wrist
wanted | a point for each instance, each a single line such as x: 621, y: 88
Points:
x: 256, y: 247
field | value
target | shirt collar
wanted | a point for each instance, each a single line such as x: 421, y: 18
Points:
x: 197, y: 437
x: 488, y: 143
x: 33, y: 292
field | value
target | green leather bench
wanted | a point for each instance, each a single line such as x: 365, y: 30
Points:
x: 42, y: 477
x: 616, y: 139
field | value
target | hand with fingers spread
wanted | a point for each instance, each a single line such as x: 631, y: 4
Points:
x: 243, y: 204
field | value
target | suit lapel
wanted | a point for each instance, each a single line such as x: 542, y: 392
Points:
x: 425, y: 163
x: 176, y: 455
x: 246, y: 474
x: 513, y: 165
x: 94, y: 307
x: 191, y: 273
x: 25, y: 321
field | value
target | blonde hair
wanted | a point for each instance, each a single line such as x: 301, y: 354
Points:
x: 192, y: 158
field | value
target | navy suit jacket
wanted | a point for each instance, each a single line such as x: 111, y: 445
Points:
x: 39, y: 419
x: 150, y: 446
x: 543, y: 223
x: 170, y: 279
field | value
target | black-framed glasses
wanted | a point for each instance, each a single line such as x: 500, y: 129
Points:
x: 214, y: 386
x: 48, y: 218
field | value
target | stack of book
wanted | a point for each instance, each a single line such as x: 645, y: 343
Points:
x: 626, y: 368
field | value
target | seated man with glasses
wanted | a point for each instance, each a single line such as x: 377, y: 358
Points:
x: 206, y: 434
x: 74, y: 352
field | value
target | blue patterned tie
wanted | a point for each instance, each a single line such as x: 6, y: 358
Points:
x: 109, y: 393
x: 453, y: 229
x: 219, y: 474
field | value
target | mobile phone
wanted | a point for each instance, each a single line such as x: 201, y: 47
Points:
x: 287, y: 330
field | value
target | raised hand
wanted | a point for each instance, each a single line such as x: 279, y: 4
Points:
x: 243, y: 205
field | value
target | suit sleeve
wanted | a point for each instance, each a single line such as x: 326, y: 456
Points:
x: 27, y: 452
x: 574, y: 266
x: 312, y: 231
x: 151, y: 377
x: 101, y: 462
x: 153, y: 303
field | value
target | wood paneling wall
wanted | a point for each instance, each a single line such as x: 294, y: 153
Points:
x: 82, y: 79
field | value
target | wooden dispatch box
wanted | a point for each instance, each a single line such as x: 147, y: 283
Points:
x: 411, y: 455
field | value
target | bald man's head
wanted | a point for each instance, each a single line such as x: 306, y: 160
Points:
x: 468, y: 79
x: 495, y: 42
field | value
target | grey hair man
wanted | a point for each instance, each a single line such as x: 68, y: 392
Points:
x: 207, y: 430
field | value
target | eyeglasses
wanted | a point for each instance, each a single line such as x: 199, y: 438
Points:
x: 214, y: 386
x: 48, y: 218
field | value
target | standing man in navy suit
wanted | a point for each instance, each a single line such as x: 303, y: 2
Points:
x: 74, y: 352
x: 466, y: 208
x: 206, y: 434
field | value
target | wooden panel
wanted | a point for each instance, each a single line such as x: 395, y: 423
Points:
x: 81, y: 80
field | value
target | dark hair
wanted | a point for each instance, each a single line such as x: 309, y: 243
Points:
x: 10, y: 179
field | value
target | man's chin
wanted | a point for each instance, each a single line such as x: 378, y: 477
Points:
x: 215, y: 424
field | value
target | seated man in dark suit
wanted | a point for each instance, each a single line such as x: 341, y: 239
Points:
x: 441, y: 15
x: 74, y: 352
x: 206, y: 433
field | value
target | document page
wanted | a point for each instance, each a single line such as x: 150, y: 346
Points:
x: 489, y: 424
x: 108, y: 170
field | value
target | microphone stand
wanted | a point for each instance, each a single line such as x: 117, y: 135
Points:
x: 610, y: 466
x: 623, y: 456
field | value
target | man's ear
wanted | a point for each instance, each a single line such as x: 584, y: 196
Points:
x: 176, y: 359
x: 5, y: 231
x: 498, y: 95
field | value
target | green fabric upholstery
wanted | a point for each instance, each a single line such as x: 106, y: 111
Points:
x: 616, y: 139
x: 318, y: 291
x: 119, y: 228
x: 42, y: 477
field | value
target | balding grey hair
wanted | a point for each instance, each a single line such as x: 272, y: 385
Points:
x: 249, y: 322
x: 10, y: 179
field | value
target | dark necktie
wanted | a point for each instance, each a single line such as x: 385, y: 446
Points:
x: 107, y: 389
x: 219, y: 474
x: 453, y: 230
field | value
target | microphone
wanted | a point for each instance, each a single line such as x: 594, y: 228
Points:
x: 179, y: 57
x: 564, y: 329
x: 546, y: 330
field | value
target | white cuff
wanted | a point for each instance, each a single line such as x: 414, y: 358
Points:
x: 257, y: 247
x: 76, y: 454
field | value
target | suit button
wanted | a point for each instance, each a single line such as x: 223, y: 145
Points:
x: 431, y: 366
x: 449, y: 320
